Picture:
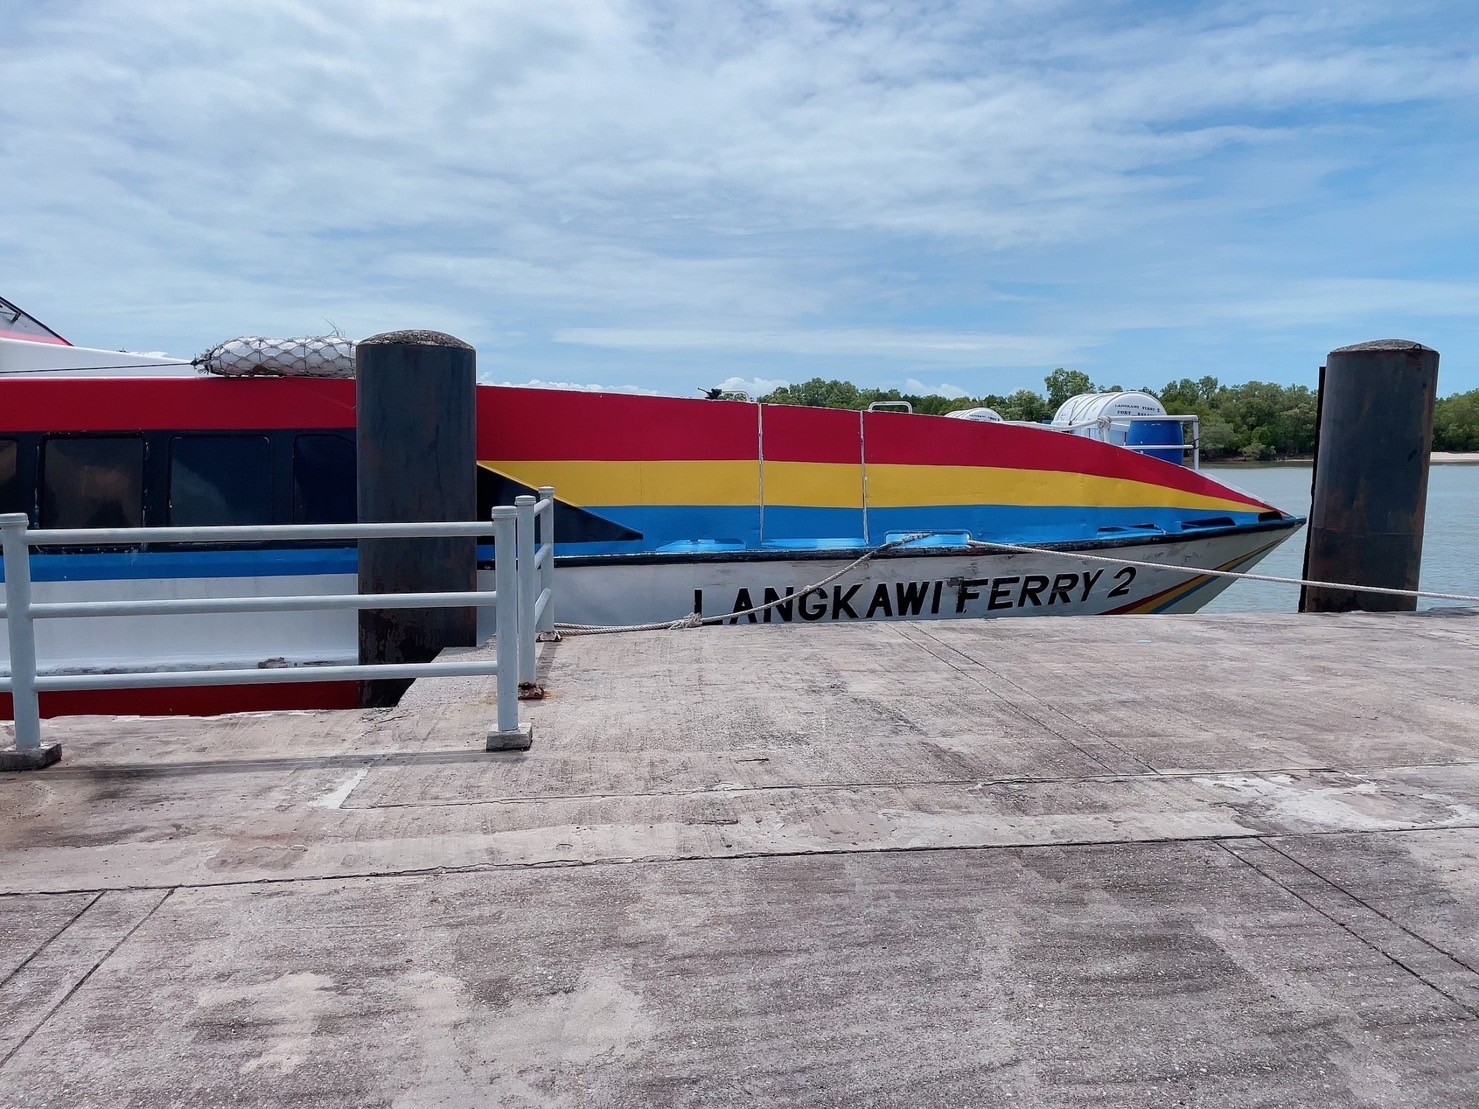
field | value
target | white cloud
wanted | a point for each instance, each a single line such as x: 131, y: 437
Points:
x: 995, y: 185
x: 919, y: 388
x: 754, y: 387
x: 962, y: 347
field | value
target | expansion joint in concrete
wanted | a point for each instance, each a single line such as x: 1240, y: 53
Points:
x: 1267, y: 841
x: 92, y: 969
x: 51, y: 938
x: 975, y: 665
x: 1469, y: 1009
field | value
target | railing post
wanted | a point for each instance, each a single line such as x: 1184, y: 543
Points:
x: 29, y: 753
x: 546, y: 628
x: 528, y: 580
x: 509, y: 735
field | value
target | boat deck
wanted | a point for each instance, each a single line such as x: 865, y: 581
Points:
x: 1138, y: 861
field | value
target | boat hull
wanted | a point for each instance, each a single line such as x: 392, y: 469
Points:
x: 951, y: 583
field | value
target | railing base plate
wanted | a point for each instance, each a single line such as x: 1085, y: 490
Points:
x: 31, y: 758
x: 519, y: 739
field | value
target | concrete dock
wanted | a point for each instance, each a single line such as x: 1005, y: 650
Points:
x: 1132, y: 861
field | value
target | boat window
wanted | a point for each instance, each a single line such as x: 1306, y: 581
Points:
x: 10, y: 478
x: 220, y: 479
x: 93, y: 482
x: 323, y: 479
x: 15, y: 322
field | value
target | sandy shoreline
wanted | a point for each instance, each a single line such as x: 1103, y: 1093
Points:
x: 1453, y: 456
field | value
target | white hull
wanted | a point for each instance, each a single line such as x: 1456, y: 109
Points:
x: 927, y: 585
x: 921, y: 584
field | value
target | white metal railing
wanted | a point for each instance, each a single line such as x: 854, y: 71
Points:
x: 522, y: 599
x: 536, y: 585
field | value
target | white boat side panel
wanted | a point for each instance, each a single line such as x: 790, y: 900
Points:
x: 41, y: 359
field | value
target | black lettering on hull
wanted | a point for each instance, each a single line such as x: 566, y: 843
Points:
x: 810, y: 611
x: 741, y: 603
x: 911, y: 596
x: 785, y: 609
x: 1089, y: 580
x: 1062, y: 583
x: 880, y: 601
x: 908, y: 599
x: 840, y: 601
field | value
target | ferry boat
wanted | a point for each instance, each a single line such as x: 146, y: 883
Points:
x: 665, y: 507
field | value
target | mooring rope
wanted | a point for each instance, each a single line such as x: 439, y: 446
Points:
x: 694, y: 620
x: 1018, y: 549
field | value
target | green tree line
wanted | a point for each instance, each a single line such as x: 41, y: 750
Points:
x: 1256, y: 421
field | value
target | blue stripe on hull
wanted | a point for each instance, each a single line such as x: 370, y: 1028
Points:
x: 680, y: 529
x: 739, y: 528
x: 133, y: 565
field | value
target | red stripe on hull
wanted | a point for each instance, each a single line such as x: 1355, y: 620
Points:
x: 176, y: 404
x: 898, y: 439
x: 812, y: 435
x: 205, y: 700
x: 557, y: 425
x: 554, y: 424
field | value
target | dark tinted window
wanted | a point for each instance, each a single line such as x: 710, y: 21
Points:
x: 220, y: 479
x: 92, y: 483
x: 323, y: 480
x: 10, y: 478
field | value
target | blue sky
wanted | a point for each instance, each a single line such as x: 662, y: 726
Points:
x: 666, y: 196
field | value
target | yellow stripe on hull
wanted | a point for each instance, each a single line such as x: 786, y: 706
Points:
x: 839, y: 485
x: 814, y: 484
x: 900, y: 486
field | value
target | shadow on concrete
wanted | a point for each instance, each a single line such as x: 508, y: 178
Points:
x: 147, y: 770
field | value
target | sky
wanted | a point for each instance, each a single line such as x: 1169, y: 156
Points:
x: 665, y: 196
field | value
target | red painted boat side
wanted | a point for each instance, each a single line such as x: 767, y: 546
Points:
x: 548, y: 425
x: 177, y: 404
x: 204, y: 700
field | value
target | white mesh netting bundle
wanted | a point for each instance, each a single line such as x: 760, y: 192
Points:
x: 251, y: 356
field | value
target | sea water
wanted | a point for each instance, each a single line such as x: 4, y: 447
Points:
x: 1450, y: 536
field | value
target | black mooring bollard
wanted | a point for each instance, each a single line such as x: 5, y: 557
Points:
x: 417, y: 415
x: 1371, y: 475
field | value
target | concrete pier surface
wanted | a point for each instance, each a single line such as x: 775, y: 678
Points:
x: 1130, y: 861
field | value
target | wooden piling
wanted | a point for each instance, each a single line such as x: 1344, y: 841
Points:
x: 417, y: 462
x: 1370, y: 485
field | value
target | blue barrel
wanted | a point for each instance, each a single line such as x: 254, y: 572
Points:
x: 1157, y: 433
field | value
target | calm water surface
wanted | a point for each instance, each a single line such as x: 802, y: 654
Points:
x: 1450, y: 538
